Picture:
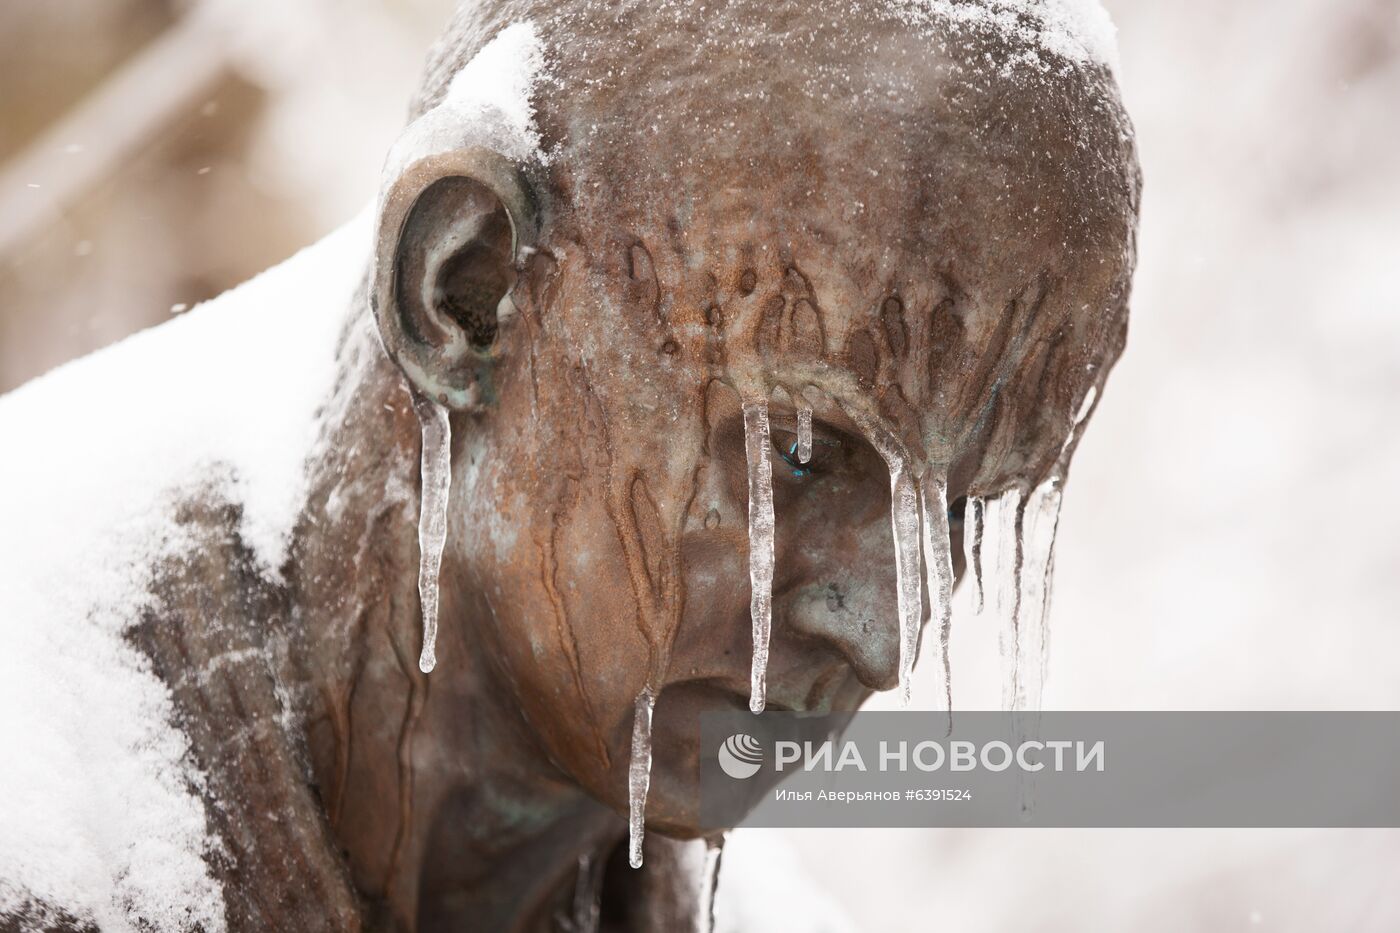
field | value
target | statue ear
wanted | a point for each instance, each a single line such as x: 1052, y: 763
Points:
x: 451, y: 227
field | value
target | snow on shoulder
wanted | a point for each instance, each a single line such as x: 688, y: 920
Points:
x: 100, y: 818
x: 1079, y: 32
x: 99, y: 813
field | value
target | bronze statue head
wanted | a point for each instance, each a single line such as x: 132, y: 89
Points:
x: 610, y: 230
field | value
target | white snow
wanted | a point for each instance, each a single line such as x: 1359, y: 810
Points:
x: 502, y: 76
x: 487, y: 104
x: 1078, y: 31
x: 98, y: 810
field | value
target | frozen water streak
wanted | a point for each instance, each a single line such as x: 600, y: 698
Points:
x: 1039, y: 520
x: 757, y: 447
x: 974, y: 514
x: 905, y: 524
x: 436, y: 472
x: 904, y: 516
x: 709, y: 885
x: 938, y: 564
x: 1021, y: 530
x: 1002, y: 545
x: 804, y: 434
x: 639, y: 776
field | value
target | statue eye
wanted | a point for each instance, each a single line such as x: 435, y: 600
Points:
x: 956, y: 513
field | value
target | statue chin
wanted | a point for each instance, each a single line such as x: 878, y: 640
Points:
x: 673, y: 802
x: 675, y: 794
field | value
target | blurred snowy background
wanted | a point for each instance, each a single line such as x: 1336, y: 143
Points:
x: 154, y: 153
x: 1231, y: 535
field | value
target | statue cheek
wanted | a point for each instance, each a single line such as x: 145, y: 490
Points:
x: 562, y: 614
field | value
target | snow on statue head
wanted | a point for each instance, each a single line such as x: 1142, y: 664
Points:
x: 698, y: 343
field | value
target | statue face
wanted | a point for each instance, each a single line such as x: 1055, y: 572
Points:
x: 938, y: 254
x: 615, y: 506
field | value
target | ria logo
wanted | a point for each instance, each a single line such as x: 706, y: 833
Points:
x: 741, y: 756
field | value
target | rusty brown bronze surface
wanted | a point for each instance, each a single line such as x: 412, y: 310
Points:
x: 737, y: 197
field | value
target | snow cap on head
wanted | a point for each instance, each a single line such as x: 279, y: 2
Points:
x: 1079, y: 32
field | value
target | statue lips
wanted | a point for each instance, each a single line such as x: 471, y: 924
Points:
x: 691, y: 698
x: 674, y: 799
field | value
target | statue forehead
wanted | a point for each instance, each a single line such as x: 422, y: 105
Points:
x: 856, y: 160
x: 815, y: 123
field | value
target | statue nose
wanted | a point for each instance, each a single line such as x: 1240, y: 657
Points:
x: 854, y: 618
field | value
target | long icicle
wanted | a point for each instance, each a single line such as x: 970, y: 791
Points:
x: 974, y: 514
x: 904, y: 518
x: 639, y: 776
x: 1039, y: 522
x: 585, y: 908
x: 804, y: 433
x: 709, y: 884
x: 938, y: 563
x: 757, y: 447
x: 1003, y: 527
x: 904, y: 522
x: 436, y: 471
x: 1024, y: 530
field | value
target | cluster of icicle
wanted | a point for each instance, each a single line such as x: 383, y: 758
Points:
x: 1016, y: 528
x: 1017, y: 532
x: 919, y: 518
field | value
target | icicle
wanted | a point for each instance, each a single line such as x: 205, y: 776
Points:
x: 586, y: 908
x: 639, y: 776
x: 709, y: 884
x: 804, y: 434
x: 1002, y: 538
x: 436, y: 472
x: 938, y: 562
x: 904, y: 514
x: 1084, y: 408
x: 757, y: 446
x: 904, y: 520
x: 1022, y: 530
x: 973, y: 514
x: 1039, y: 521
